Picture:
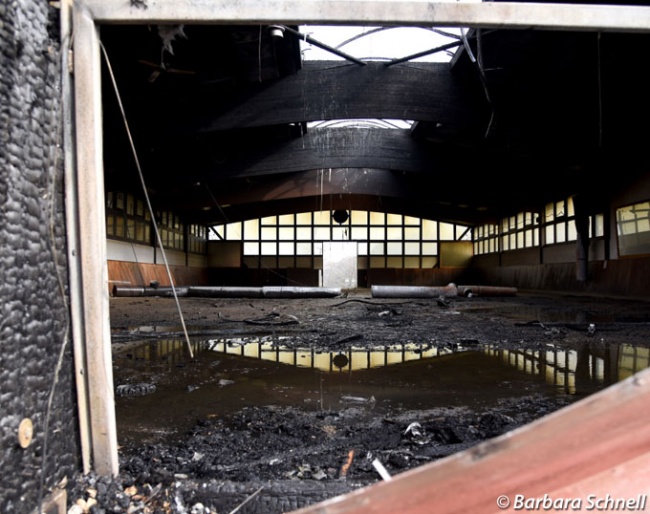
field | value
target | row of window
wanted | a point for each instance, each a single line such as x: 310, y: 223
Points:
x: 127, y: 218
x: 376, y: 233
x: 529, y: 229
x: 381, y: 237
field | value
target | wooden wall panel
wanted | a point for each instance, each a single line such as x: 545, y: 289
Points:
x: 134, y: 274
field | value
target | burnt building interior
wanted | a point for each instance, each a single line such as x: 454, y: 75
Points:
x: 509, y: 142
x: 511, y: 158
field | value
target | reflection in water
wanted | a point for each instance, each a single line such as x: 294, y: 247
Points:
x: 228, y: 375
x: 591, y: 367
x: 352, y: 359
x: 572, y: 371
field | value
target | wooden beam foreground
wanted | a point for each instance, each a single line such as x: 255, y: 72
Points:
x: 89, y: 206
x: 512, y: 15
x: 596, y: 447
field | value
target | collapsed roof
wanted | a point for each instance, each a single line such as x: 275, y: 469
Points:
x: 220, y: 117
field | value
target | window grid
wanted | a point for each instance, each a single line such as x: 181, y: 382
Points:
x: 127, y: 219
x: 383, y: 239
x: 554, y: 225
x: 633, y: 229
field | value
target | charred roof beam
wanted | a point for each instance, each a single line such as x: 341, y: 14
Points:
x: 325, y: 47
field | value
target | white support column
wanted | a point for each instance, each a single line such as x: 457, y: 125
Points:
x: 92, y: 241
x: 72, y: 232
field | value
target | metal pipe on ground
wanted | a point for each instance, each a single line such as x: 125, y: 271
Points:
x: 379, y: 291
x: 300, y: 292
x: 486, y: 291
x: 230, y: 292
x: 225, y: 292
x: 121, y: 291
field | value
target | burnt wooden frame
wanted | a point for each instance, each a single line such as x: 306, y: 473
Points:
x: 84, y: 158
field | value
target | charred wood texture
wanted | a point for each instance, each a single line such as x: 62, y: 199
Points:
x: 36, y: 357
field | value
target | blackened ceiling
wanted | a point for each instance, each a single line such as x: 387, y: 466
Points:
x: 219, y: 120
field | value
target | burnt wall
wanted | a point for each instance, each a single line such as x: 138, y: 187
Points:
x: 36, y: 372
x: 622, y: 277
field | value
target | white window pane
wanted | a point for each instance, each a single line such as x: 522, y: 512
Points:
x: 529, y: 239
x: 251, y: 248
x: 269, y: 234
x: 322, y: 233
x: 269, y: 249
x: 340, y: 233
x: 359, y: 217
x: 573, y: 233
x: 429, y: 248
x: 412, y: 233
x: 570, y: 207
x: 219, y: 229
x: 303, y: 218
x: 446, y: 232
x: 360, y: 233
x: 303, y: 233
x: 286, y: 219
x: 286, y: 248
x: 411, y: 248
x: 303, y: 248
x: 251, y: 229
x: 550, y: 234
x: 429, y: 229
x: 322, y: 218
x: 393, y: 219
x: 377, y: 233
x: 394, y: 248
x: 376, y: 248
x: 286, y: 233
x: 409, y: 220
x: 377, y: 218
x: 599, y: 225
x: 362, y: 249
x: 269, y: 220
x: 233, y: 231
x: 394, y: 233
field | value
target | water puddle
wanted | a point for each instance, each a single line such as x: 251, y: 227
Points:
x: 227, y: 375
x: 560, y: 314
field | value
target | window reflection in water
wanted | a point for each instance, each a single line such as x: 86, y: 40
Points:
x: 591, y: 367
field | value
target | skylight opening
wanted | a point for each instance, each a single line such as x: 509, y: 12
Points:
x: 378, y: 43
x: 361, y: 123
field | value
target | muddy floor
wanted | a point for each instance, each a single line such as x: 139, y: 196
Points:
x: 223, y: 429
